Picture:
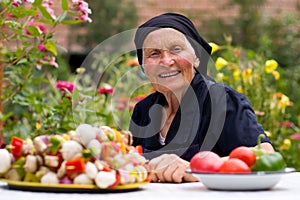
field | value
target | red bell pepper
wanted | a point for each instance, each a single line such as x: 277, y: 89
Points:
x: 118, y: 179
x: 139, y: 149
x: 75, y: 167
x: 17, y: 147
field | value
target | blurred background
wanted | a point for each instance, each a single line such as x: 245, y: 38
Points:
x: 268, y: 26
x: 253, y: 37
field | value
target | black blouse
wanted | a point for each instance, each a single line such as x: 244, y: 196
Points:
x: 212, y: 116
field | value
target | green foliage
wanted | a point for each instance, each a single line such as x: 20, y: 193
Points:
x: 110, y: 17
x: 275, y: 36
x: 257, y: 77
x: 32, y: 104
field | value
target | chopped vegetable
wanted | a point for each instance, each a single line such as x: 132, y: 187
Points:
x: 55, y: 144
x: 75, y: 167
x: 50, y: 178
x: 5, y: 163
x: 17, y: 147
x: 18, y: 165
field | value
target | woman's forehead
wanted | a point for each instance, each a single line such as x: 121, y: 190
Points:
x: 164, y: 37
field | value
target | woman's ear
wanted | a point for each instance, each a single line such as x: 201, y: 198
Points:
x: 196, y: 62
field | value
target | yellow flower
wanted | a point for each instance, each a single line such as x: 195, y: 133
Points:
x: 237, y: 74
x: 276, y: 74
x: 284, y: 102
x: 271, y: 65
x: 286, y: 144
x: 80, y: 70
x: 240, y: 89
x: 214, y: 47
x: 38, y: 125
x: 220, y: 76
x: 220, y: 63
x: 247, y: 74
x: 268, y: 133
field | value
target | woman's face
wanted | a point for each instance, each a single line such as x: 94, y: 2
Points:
x: 169, y: 60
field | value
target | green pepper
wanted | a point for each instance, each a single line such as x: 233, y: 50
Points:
x: 18, y: 165
x: 55, y: 144
x: 267, y: 162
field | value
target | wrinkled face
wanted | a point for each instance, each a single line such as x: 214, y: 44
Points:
x: 168, y: 60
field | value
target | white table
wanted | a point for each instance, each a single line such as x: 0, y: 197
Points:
x: 287, y: 189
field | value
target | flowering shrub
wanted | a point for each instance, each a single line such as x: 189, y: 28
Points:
x: 256, y: 77
x: 30, y: 103
x: 112, y: 101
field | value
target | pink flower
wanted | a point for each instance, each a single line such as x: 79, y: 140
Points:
x: 42, y: 47
x: 16, y: 3
x: 39, y: 66
x: 53, y: 62
x: 63, y: 85
x: 85, y: 18
x: 295, y: 136
x: 287, y: 124
x: 47, y: 5
x: 106, y: 90
x: 139, y: 97
x: 84, y: 7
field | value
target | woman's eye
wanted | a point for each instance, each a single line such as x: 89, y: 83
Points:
x: 153, y: 54
x: 176, y: 49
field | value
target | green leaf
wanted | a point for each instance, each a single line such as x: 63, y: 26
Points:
x: 50, y: 46
x: 61, y: 17
x: 37, y: 2
x: 65, y: 5
x: 34, y: 31
x: 5, y: 1
x: 23, y: 60
x: 45, y: 13
x: 70, y: 21
x: 12, y: 24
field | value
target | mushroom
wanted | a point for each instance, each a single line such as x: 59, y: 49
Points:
x: 105, y: 179
x: 71, y: 149
x: 5, y: 163
x: 86, y: 133
x: 83, y: 179
x: 50, y: 177
x: 31, y: 163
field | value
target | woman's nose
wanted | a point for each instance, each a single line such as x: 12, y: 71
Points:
x: 166, y: 58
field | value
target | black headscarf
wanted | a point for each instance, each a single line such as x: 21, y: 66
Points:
x: 180, y: 23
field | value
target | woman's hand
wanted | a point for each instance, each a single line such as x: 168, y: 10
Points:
x: 170, y: 168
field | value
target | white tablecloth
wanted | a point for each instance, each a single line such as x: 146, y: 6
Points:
x: 287, y: 189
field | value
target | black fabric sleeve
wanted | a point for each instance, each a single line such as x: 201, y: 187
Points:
x: 240, y: 126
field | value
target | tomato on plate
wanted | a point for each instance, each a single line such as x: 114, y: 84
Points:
x: 245, y: 154
x: 234, y: 165
x: 206, y: 161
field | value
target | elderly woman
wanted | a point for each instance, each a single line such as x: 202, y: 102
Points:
x: 188, y: 112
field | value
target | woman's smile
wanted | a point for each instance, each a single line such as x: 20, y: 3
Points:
x: 169, y: 74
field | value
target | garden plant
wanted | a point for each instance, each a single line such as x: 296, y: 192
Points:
x: 33, y: 101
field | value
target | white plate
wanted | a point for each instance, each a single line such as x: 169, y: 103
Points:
x: 251, y: 181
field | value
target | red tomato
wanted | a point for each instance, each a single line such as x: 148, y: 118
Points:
x: 245, y: 154
x: 206, y: 161
x: 234, y: 165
